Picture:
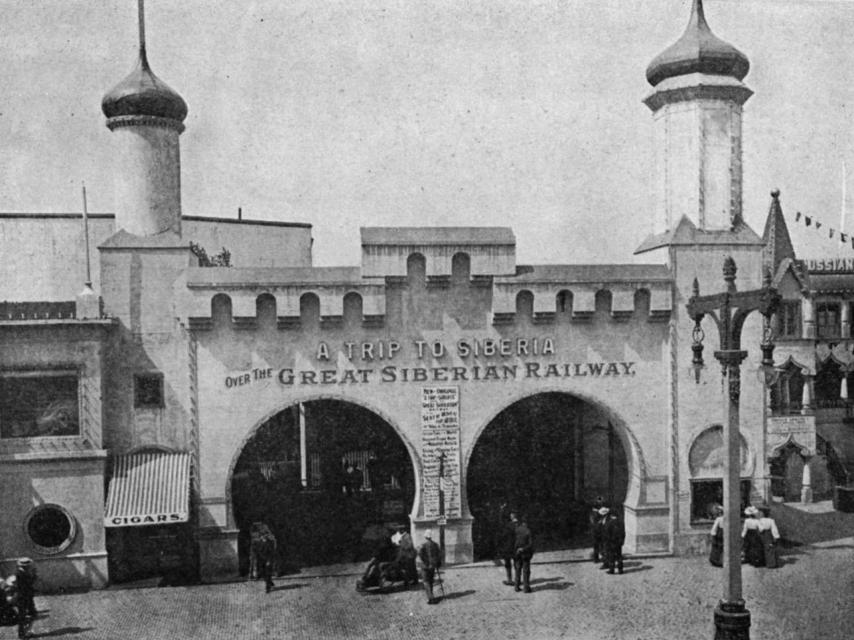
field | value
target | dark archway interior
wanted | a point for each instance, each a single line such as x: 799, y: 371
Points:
x: 549, y: 456
x: 358, y: 478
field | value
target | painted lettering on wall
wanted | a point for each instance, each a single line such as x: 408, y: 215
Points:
x: 147, y: 519
x: 464, y: 348
x: 288, y: 376
x: 831, y: 265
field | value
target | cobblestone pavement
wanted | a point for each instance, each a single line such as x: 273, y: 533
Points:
x: 811, y: 596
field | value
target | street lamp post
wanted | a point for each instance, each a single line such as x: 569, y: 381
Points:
x: 730, y: 309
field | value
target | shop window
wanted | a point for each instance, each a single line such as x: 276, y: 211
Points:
x: 828, y: 321
x: 39, y: 404
x: 789, y: 319
x: 705, y: 494
x: 148, y: 390
x: 50, y: 528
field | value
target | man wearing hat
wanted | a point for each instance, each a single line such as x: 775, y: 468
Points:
x: 429, y: 561
x: 599, y: 531
x: 596, y: 529
x: 25, y: 578
x: 524, y: 545
x: 406, y: 554
x: 615, y: 536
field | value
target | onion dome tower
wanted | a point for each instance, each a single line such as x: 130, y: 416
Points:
x: 146, y: 118
x: 697, y: 101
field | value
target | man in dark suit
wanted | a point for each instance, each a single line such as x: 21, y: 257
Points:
x: 524, y: 551
x: 429, y: 561
x: 615, y: 536
x: 263, y: 547
x: 596, y: 528
x: 506, y: 539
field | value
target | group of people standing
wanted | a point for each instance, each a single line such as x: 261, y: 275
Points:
x: 516, y: 549
x: 759, y: 534
x: 396, y: 559
x: 609, y: 534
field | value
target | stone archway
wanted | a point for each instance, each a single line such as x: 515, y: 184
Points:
x: 551, y: 455
x: 327, y: 475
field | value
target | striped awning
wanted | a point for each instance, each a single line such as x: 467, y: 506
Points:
x: 149, y: 489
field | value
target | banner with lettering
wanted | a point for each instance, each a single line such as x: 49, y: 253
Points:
x: 440, y: 451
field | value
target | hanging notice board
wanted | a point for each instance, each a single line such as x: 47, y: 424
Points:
x: 440, y: 434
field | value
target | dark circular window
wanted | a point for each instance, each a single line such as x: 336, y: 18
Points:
x: 50, y: 528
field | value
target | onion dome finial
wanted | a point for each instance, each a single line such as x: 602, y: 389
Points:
x: 142, y: 93
x: 698, y: 50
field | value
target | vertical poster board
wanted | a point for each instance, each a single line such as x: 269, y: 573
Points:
x: 440, y: 433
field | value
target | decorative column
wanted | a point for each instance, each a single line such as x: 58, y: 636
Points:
x: 806, y: 484
x: 808, y: 317
x: 806, y: 397
x: 846, y: 320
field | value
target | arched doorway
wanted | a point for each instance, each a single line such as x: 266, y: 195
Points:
x: 550, y: 455
x: 787, y: 471
x: 327, y: 476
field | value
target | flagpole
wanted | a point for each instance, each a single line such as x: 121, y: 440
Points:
x: 86, y: 238
x: 844, y: 189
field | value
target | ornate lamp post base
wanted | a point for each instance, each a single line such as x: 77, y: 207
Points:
x: 732, y: 621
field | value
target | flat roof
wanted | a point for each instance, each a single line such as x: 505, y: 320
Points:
x: 560, y: 273
x: 437, y: 235
x: 111, y: 216
x: 269, y: 276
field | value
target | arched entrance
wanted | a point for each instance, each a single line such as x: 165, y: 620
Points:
x: 326, y: 476
x: 550, y: 455
x: 787, y: 472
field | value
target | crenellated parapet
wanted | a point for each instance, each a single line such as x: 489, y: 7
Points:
x: 325, y: 298
x: 578, y: 291
x: 284, y: 293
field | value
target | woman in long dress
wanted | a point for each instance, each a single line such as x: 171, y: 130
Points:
x: 716, y: 553
x: 768, y: 535
x: 751, y: 542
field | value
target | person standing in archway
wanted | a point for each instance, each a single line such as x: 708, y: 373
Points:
x: 615, y: 536
x: 506, y: 541
x: 524, y: 551
x: 263, y: 547
x: 596, y: 528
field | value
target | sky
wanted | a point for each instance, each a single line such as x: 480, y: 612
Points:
x: 525, y: 114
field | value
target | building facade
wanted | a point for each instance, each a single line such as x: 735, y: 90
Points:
x: 150, y: 414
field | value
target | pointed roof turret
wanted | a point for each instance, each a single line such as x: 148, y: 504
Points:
x: 142, y: 93
x: 698, y: 51
x: 778, y: 242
